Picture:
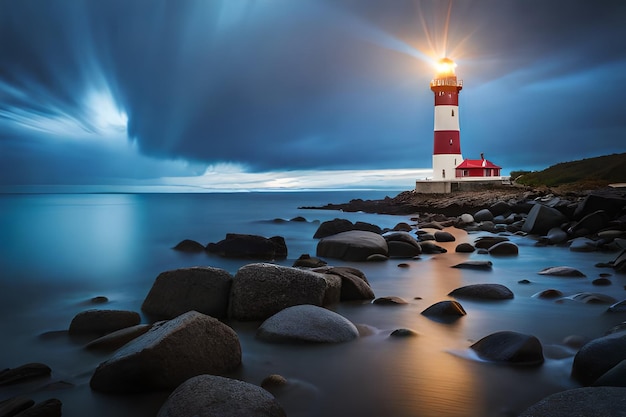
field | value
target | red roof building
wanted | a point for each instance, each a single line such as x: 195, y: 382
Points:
x: 477, y: 168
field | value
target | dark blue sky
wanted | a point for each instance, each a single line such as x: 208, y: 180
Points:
x: 141, y: 92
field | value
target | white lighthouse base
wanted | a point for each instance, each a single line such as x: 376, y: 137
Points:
x: 444, y: 166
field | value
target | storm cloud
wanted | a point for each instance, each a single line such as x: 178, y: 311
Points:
x: 107, y: 90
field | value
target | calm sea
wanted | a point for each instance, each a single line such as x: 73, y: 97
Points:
x: 59, y: 250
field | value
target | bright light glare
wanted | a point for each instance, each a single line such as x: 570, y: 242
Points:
x: 445, y: 66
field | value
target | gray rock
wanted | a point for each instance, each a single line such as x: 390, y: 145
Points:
x: 590, y: 224
x: 464, y: 248
x: 500, y: 208
x: 190, y: 246
x: 431, y: 248
x: 592, y: 298
x: 465, y: 218
x: 556, y: 235
x: 307, y: 261
x: 504, y: 249
x: 354, y: 284
x: 390, y: 301
x: 403, y: 333
x: 541, y: 219
x: 614, y: 377
x: 23, y: 373
x: 48, y: 408
x: 597, y: 402
x: 398, y: 249
x: 582, y: 244
x: 118, y: 338
x: 483, y: 292
x: 447, y: 308
x: 367, y: 227
x: 481, y: 265
x: 170, y: 353
x: 354, y: 246
x: 261, y: 290
x: 442, y: 236
x: 243, y: 246
x: 598, y: 356
x: 550, y: 293
x: 12, y: 406
x: 212, y: 396
x: 203, y: 289
x: 307, y: 323
x: 332, y: 227
x: 483, y: 215
x: 510, y: 347
x: 103, y: 321
x: 485, y: 242
x: 618, y: 307
x: 561, y: 271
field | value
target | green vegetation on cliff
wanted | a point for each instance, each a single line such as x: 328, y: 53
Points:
x: 590, y: 172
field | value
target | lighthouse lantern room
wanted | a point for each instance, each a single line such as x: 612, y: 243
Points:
x: 447, y: 142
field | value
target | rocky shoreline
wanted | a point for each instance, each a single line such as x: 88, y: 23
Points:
x: 289, y: 302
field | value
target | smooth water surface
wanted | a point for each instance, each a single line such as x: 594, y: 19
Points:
x: 60, y: 250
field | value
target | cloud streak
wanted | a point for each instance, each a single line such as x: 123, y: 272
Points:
x: 155, y: 89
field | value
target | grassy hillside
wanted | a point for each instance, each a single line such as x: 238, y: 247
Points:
x: 585, y: 173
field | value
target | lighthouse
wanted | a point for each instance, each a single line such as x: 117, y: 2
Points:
x: 447, y: 139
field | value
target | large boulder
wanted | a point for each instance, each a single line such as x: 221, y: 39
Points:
x: 244, y: 246
x: 598, y: 402
x: 212, y: 396
x: 307, y: 323
x: 541, y: 219
x: 354, y: 284
x: 354, y: 245
x: 445, y: 309
x: 598, y: 356
x: 203, y: 289
x: 556, y: 235
x: 261, y: 290
x: 118, y: 338
x: 23, y: 373
x: 561, y: 271
x: 101, y: 322
x: 170, y: 353
x: 332, y: 227
x: 504, y: 249
x: 402, y: 245
x: 483, y: 215
x: 612, y: 205
x: 510, y: 347
x: 483, y: 292
x: 590, y: 224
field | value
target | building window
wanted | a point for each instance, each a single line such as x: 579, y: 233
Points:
x: 465, y: 173
x: 452, y: 112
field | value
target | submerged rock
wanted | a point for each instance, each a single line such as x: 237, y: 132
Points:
x: 483, y: 292
x: 598, y: 356
x: 237, y: 245
x: 445, y: 309
x: 210, y: 396
x: 561, y: 271
x: 103, y: 321
x: 599, y: 402
x: 354, y: 246
x: 510, y: 347
x: 482, y: 265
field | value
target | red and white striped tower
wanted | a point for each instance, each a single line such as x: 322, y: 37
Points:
x: 447, y: 143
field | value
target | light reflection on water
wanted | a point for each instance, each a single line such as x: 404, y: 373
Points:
x: 58, y: 251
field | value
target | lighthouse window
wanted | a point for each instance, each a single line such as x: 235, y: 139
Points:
x: 450, y: 142
x: 452, y: 112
